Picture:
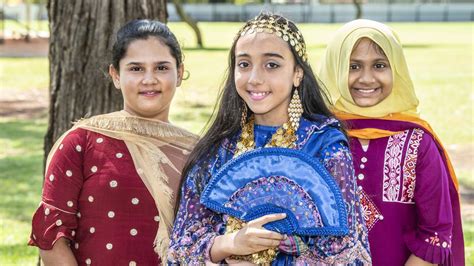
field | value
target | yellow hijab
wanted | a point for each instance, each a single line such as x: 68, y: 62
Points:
x: 400, y: 105
x: 334, y: 70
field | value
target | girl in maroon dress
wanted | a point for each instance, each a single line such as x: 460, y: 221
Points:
x: 111, y: 180
x: 407, y: 184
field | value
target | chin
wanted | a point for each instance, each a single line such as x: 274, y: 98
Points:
x: 258, y: 111
x: 366, y: 103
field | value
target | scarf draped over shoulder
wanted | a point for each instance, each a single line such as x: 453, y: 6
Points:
x: 158, y: 150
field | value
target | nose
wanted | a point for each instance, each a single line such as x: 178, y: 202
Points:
x: 256, y: 76
x: 149, y: 78
x: 367, y: 76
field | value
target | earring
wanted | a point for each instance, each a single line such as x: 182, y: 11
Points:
x: 295, y: 110
x: 243, y: 119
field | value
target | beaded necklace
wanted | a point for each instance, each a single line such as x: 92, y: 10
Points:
x: 284, y: 137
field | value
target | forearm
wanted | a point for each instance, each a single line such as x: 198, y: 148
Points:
x: 60, y: 254
x: 415, y: 261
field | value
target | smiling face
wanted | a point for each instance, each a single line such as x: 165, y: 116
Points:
x: 148, y: 78
x: 265, y: 73
x: 370, y: 76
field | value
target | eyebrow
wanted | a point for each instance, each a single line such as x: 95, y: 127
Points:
x: 375, y: 60
x: 243, y: 54
x: 141, y: 63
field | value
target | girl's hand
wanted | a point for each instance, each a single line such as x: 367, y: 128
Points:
x: 253, y: 237
x: 250, y: 239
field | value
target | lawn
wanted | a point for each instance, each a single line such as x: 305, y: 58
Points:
x: 440, y: 57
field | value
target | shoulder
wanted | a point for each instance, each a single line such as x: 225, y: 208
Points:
x: 318, y: 133
x: 321, y: 129
x: 423, y: 144
x: 184, y: 132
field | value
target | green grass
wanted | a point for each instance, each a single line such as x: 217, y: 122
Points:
x: 439, y: 56
x: 23, y: 74
x: 20, y: 26
x: 21, y: 160
x: 468, y: 227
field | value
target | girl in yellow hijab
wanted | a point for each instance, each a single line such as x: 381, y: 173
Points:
x: 406, y: 182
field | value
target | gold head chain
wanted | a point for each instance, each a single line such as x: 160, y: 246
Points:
x: 279, y: 26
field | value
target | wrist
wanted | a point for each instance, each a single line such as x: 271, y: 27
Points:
x: 222, y: 247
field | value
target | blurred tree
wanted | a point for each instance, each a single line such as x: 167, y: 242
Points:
x: 81, y: 38
x: 358, y: 7
x: 190, y: 21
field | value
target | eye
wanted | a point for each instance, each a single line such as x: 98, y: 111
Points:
x: 162, y: 68
x: 243, y: 64
x: 380, y: 65
x: 135, y: 68
x: 354, y: 66
x: 273, y: 65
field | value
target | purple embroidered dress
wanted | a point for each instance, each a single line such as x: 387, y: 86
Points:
x: 410, y: 204
x: 196, y: 226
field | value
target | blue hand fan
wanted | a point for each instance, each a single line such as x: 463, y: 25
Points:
x: 279, y: 180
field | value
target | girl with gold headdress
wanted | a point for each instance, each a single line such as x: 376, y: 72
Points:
x: 406, y: 182
x: 271, y: 104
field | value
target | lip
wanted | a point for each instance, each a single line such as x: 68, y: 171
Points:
x: 149, y: 93
x: 366, y: 92
x: 258, y: 95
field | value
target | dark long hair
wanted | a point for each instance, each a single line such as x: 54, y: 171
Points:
x: 225, y: 121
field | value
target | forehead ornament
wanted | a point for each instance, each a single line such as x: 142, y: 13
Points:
x: 280, y: 27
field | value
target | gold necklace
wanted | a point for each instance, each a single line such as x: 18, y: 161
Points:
x: 284, y: 137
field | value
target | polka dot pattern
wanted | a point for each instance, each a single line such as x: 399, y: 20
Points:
x: 113, y: 196
x: 135, y: 201
x: 113, y: 183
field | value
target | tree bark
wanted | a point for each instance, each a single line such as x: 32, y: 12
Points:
x: 81, y: 39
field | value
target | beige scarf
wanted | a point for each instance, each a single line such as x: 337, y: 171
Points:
x: 159, y: 151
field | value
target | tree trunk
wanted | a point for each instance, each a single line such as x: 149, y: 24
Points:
x: 358, y: 6
x: 188, y: 20
x: 81, y: 39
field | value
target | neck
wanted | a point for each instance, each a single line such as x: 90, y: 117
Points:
x: 162, y: 116
x: 266, y: 120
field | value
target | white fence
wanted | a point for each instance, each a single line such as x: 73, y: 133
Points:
x: 301, y: 13
x: 332, y: 13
